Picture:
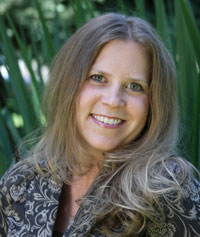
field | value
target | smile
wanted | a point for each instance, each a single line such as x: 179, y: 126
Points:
x: 106, y: 120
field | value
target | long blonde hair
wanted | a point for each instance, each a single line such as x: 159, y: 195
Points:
x: 140, y: 171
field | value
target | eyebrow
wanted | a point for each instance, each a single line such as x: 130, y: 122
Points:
x: 137, y: 78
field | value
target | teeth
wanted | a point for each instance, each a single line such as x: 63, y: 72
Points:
x: 107, y: 120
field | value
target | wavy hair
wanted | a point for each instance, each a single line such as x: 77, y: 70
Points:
x: 141, y: 171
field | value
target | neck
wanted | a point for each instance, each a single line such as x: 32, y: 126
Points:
x: 86, y: 180
x: 79, y: 187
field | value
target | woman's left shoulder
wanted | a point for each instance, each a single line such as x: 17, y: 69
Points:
x: 191, y: 190
x: 182, y: 171
x: 181, y: 213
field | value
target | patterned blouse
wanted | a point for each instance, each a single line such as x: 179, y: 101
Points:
x: 29, y: 203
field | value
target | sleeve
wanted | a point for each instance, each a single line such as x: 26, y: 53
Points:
x: 4, y: 206
x: 181, y: 215
x: 12, y: 199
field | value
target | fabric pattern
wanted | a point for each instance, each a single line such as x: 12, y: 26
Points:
x: 29, y: 203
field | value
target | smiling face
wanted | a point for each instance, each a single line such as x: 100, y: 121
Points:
x: 113, y: 104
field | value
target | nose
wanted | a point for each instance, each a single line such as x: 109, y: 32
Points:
x: 113, y: 97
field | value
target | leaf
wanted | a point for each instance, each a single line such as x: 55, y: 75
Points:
x: 161, y: 23
x: 47, y: 36
x: 35, y: 87
x: 16, y: 80
x: 140, y: 8
x: 6, y: 154
x: 188, y: 84
x: 191, y: 27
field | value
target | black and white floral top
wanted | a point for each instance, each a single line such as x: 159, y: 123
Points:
x: 29, y: 203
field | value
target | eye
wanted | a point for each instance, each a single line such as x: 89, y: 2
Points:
x: 97, y: 78
x: 135, y: 87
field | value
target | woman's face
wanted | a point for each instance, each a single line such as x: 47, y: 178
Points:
x: 113, y: 104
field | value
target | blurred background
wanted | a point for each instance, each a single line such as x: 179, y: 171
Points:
x: 31, y: 32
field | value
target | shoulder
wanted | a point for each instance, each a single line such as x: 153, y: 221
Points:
x: 181, y: 171
x: 181, y: 209
x: 18, y: 179
x: 13, y: 195
x: 13, y: 183
x: 24, y: 195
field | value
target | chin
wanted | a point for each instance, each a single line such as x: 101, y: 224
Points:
x: 107, y: 148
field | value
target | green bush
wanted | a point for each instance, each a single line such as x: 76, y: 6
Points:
x: 20, y: 100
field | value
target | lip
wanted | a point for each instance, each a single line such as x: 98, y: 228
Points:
x: 105, y: 125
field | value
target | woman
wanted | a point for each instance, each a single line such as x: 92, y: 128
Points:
x: 106, y: 164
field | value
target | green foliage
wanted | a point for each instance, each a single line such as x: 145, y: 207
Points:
x: 49, y: 24
x: 188, y: 64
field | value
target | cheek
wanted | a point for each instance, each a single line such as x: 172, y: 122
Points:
x: 140, y: 106
x: 86, y: 93
x: 89, y: 96
x: 85, y: 101
x: 82, y: 97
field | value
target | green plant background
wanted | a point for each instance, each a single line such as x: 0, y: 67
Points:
x: 31, y: 32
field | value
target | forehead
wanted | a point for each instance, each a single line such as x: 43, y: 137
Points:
x: 122, y: 56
